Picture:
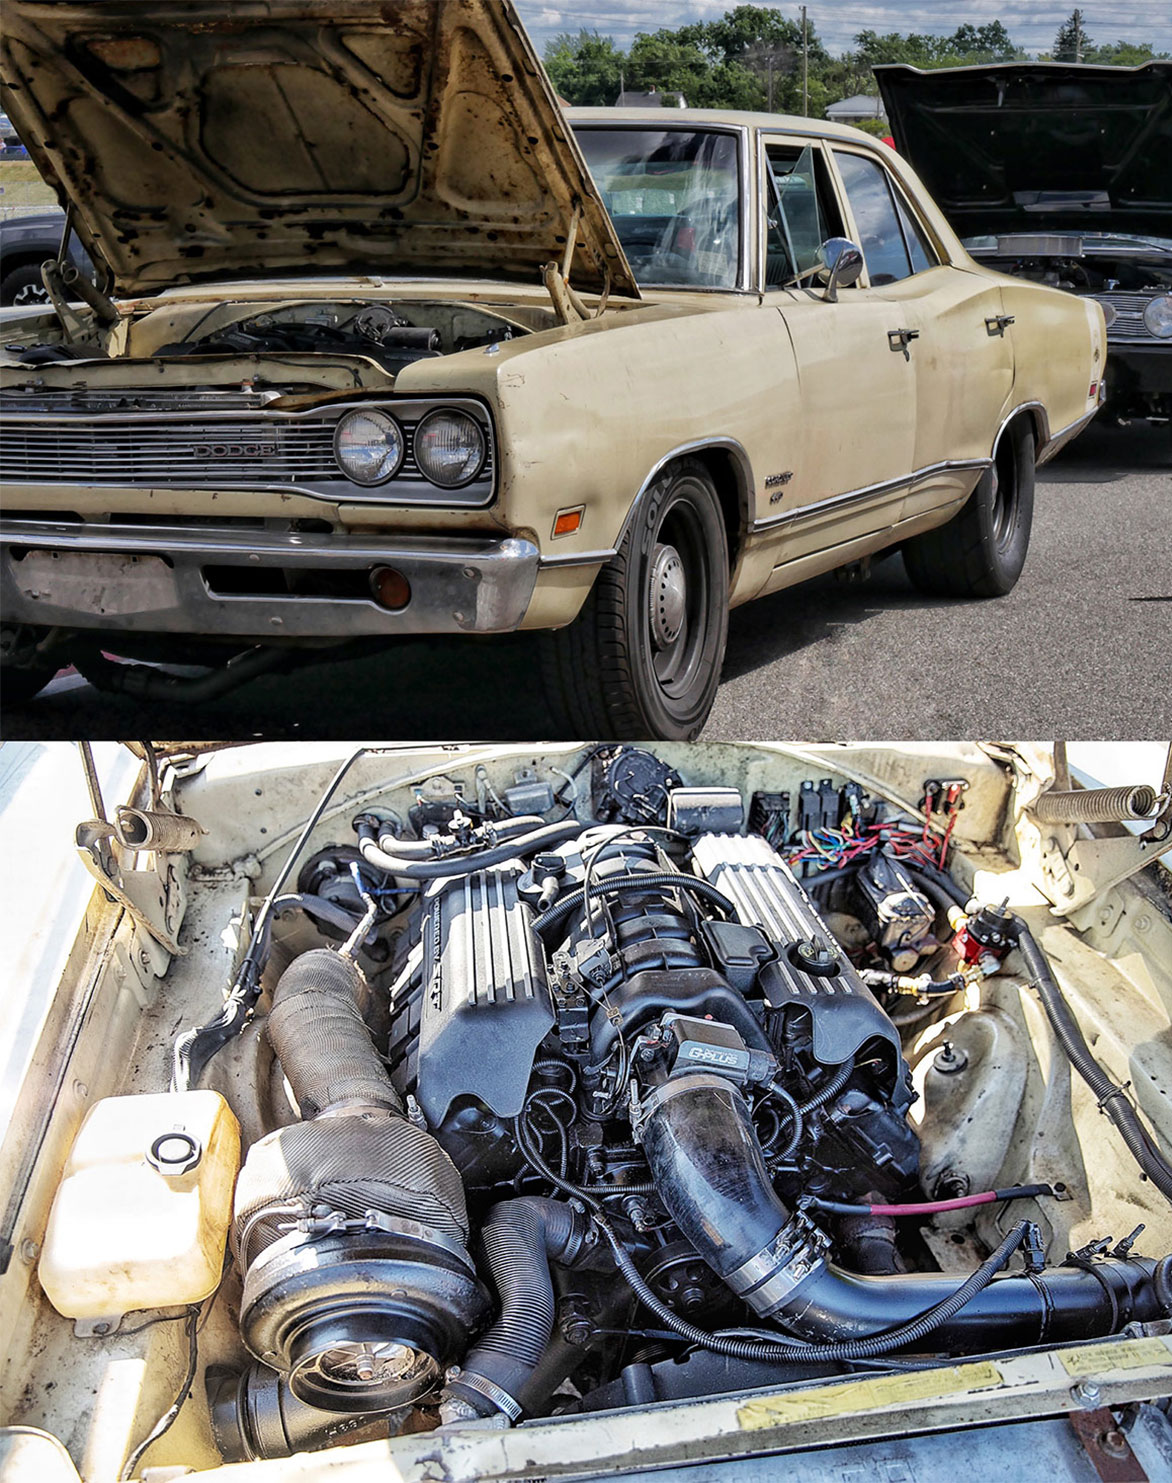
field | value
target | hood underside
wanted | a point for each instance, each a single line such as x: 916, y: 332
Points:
x: 212, y: 140
x: 1039, y: 146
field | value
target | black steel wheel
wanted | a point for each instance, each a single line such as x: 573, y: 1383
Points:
x: 642, y: 660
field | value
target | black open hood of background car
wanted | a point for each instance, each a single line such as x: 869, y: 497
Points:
x: 1039, y: 146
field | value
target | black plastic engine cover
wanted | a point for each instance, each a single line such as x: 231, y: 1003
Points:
x: 485, y: 1006
x: 830, y: 999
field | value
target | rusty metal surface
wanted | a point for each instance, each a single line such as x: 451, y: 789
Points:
x: 1107, y: 1447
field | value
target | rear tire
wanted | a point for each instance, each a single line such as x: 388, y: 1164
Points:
x: 981, y: 551
x: 642, y: 660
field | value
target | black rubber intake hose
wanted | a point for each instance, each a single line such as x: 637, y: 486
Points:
x: 321, y: 1039
x: 705, y: 1158
x: 1112, y: 1098
x: 431, y: 870
x: 520, y: 1239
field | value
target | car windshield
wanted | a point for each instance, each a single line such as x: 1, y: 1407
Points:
x: 673, y: 195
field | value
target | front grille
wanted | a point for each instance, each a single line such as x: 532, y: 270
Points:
x: 1128, y: 327
x: 39, y: 445
x: 141, y: 452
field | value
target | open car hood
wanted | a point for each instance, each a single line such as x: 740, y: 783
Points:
x: 1034, y: 146
x: 208, y: 140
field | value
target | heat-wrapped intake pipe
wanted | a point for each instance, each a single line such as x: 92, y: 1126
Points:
x: 351, y: 1226
x: 321, y: 1039
x: 698, y: 1136
x: 520, y: 1239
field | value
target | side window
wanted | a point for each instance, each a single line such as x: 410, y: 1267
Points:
x: 800, y: 212
x: 923, y: 254
x: 877, y: 218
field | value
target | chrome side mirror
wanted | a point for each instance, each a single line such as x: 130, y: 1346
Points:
x: 842, y: 262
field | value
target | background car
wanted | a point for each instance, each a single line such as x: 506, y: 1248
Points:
x: 25, y: 243
x: 1059, y: 174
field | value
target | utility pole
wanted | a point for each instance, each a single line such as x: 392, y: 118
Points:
x: 805, y: 69
x: 1078, y: 35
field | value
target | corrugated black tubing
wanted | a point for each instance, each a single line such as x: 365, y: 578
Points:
x: 431, y: 870
x: 521, y: 1238
x: 1112, y: 1098
x: 321, y: 1039
x: 829, y: 1089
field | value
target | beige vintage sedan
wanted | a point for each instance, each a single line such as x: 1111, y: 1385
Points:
x: 382, y: 348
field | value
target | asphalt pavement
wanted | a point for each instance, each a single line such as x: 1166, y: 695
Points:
x: 1082, y: 648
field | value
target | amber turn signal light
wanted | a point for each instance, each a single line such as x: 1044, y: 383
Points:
x: 567, y: 522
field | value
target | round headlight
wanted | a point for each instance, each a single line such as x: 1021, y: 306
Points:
x: 369, y: 446
x: 1110, y: 314
x: 450, y: 448
x: 1158, y: 317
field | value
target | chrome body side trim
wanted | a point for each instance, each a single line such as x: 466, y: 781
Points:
x: 837, y: 502
x: 746, y: 486
x: 580, y: 558
x: 1042, y: 415
x: 155, y: 579
x: 1055, y: 442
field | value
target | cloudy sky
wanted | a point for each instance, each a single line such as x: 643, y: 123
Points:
x: 1031, y: 23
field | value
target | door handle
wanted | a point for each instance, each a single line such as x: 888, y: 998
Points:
x: 899, y: 340
x: 996, y: 323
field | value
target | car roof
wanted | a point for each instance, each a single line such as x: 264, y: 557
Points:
x: 728, y: 117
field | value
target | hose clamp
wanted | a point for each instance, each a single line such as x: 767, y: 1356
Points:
x: 501, y: 1399
x: 767, y: 1279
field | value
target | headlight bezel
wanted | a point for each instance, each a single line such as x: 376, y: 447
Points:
x: 1162, y: 305
x: 482, y: 447
x: 372, y: 414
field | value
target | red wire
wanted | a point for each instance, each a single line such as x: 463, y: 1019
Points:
x: 933, y: 1207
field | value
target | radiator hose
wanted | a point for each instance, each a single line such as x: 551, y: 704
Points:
x: 698, y: 1136
x: 350, y: 1227
x: 521, y: 1238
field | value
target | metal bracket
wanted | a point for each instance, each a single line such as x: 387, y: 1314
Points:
x: 1091, y: 866
x: 154, y: 903
x: 996, y: 323
x: 1106, y: 1445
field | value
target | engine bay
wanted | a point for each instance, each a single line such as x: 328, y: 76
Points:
x: 596, y: 1081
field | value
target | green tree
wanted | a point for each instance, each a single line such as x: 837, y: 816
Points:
x: 1123, y: 54
x: 1072, y: 42
x: 585, y: 69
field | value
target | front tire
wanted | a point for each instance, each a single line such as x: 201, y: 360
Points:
x: 642, y: 660
x: 980, y: 552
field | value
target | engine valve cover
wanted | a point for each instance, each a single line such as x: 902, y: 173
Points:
x: 843, y: 1013
x: 486, y: 1004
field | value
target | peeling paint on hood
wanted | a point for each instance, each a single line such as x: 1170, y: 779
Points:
x: 210, y: 140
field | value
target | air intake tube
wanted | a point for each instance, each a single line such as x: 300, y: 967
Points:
x: 698, y: 1136
x: 521, y: 1238
x: 350, y: 1227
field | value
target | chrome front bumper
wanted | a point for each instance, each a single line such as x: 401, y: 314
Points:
x: 171, y: 579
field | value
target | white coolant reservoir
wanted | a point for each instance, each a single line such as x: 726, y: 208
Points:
x: 142, y: 1214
